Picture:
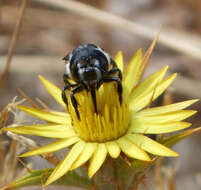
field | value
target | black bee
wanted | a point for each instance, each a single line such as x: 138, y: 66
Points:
x: 88, y: 66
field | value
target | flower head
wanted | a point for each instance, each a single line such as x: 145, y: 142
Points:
x: 116, y: 127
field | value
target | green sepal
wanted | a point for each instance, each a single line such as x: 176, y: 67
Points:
x: 174, y: 139
x: 130, y: 173
x: 38, y: 177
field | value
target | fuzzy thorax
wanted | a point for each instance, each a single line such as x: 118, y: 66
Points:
x: 111, y: 121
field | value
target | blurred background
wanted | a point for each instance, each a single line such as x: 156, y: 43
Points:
x: 35, y: 35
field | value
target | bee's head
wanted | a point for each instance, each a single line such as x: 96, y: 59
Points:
x: 87, y: 63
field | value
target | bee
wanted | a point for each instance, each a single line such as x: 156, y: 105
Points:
x: 87, y: 67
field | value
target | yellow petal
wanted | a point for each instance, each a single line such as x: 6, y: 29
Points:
x: 63, y: 114
x: 164, y: 85
x: 119, y: 61
x: 149, y: 84
x: 132, y: 150
x: 44, y: 130
x: 67, y: 162
x: 157, y: 128
x: 97, y: 159
x: 150, y: 145
x: 45, y: 115
x: 53, y: 90
x: 113, y: 149
x: 86, y: 154
x: 142, y: 101
x: 166, y: 109
x: 131, y: 76
x: 52, y: 147
x: 166, y: 117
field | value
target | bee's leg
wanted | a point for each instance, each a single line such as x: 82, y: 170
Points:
x: 116, y: 70
x: 84, y: 86
x: 119, y: 85
x: 93, y: 95
x: 73, y: 100
x: 67, y: 86
x: 64, y: 98
x: 65, y: 78
x: 99, y: 84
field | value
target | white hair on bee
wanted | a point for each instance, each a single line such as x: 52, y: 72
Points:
x: 68, y: 72
x: 70, y: 56
x: 68, y: 68
x: 106, y: 55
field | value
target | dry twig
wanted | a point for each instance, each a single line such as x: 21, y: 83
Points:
x: 0, y: 10
x: 13, y: 42
x: 31, y: 144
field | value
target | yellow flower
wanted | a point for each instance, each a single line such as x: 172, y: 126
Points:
x: 116, y: 128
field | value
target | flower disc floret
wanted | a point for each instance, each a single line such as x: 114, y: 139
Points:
x: 111, y: 121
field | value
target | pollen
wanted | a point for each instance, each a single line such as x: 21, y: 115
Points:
x: 111, y: 120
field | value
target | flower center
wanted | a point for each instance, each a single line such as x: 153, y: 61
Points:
x: 111, y: 121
